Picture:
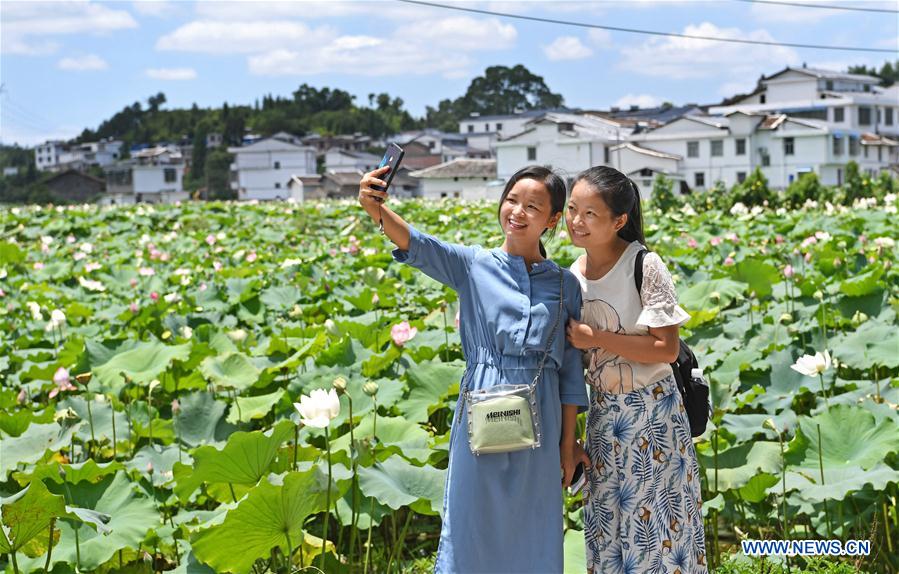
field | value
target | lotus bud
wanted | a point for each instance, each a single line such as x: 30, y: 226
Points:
x: 339, y: 384
x: 331, y: 327
x: 166, y: 334
x: 370, y: 388
x: 786, y: 318
x: 859, y: 318
x: 237, y: 335
x: 715, y: 296
x: 375, y: 299
x: 150, y: 467
x: 297, y: 311
x: 176, y: 407
x: 837, y: 262
x: 769, y: 424
x: 819, y: 295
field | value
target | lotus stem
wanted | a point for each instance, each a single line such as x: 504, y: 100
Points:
x: 114, y: 442
x: 289, y: 552
x: 394, y: 553
x: 328, y: 499
x: 65, y: 483
x: 50, y: 545
x: 15, y: 565
x: 354, y: 465
x: 90, y: 420
x: 233, y: 496
x: 296, y: 445
x: 821, y: 469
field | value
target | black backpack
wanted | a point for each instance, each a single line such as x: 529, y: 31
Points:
x: 693, y: 390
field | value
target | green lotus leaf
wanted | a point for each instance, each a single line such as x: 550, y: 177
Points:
x: 873, y: 343
x: 233, y: 370
x: 270, y: 516
x: 33, y: 444
x: 245, y: 458
x: 736, y: 466
x: 850, y: 438
x: 142, y: 362
x: 200, y: 419
x: 27, y: 514
x: 758, y: 274
x: 280, y: 298
x: 429, y: 386
x: 398, y: 483
x: 245, y: 409
x: 699, y: 296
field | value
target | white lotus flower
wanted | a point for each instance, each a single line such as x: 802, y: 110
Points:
x: 57, y: 320
x: 319, y: 408
x: 812, y: 365
x: 91, y: 285
x: 35, y: 311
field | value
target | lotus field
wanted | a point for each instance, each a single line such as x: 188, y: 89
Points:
x: 151, y: 356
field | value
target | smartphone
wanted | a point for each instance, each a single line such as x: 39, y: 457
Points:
x: 393, y: 156
x: 578, y: 480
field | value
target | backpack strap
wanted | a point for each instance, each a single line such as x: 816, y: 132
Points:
x: 638, y: 271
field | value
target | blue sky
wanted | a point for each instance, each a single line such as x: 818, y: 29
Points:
x: 69, y: 65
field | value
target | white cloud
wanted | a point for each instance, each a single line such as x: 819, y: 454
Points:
x: 729, y: 89
x: 26, y: 25
x: 291, y: 47
x: 155, y: 8
x: 173, y: 74
x: 219, y: 37
x: 567, y: 48
x: 600, y: 38
x: 682, y: 58
x: 641, y: 100
x: 89, y: 62
x: 306, y: 9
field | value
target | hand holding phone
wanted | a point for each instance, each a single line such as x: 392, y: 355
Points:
x: 393, y: 156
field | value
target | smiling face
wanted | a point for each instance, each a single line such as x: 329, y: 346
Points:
x: 526, y: 212
x: 590, y: 221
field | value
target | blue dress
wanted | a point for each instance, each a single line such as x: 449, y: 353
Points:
x: 503, y: 512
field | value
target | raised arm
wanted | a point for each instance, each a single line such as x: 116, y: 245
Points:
x: 373, y: 201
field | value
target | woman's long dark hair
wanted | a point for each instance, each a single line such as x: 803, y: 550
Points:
x: 620, y: 194
x: 554, y: 184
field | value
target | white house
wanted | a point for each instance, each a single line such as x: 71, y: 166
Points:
x: 569, y: 143
x: 462, y: 178
x: 263, y: 169
x: 849, y: 102
x: 46, y: 155
x: 337, y: 159
x: 642, y: 165
x: 728, y: 149
x: 133, y: 182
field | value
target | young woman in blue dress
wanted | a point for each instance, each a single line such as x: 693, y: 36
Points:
x: 502, y: 512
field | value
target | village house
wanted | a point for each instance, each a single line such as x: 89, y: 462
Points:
x: 151, y: 175
x: 263, y: 169
x: 57, y: 156
x: 73, y: 186
x: 462, y: 178
x: 337, y: 159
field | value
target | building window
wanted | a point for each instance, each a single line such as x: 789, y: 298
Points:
x: 486, y: 127
x: 766, y: 159
x: 741, y: 146
x: 471, y: 128
x: 431, y: 145
x: 692, y: 149
x: 853, y: 145
x: 499, y: 127
x: 837, y: 146
x: 879, y: 153
x: 828, y: 85
x: 717, y: 148
x: 864, y: 116
x: 741, y: 176
x: 699, y: 179
x: 888, y: 116
x: 839, y: 115
x: 532, y: 154
x: 277, y: 185
x: 789, y: 146
x: 277, y: 165
x: 865, y: 148
x: 607, y: 155
x: 170, y: 175
x: 762, y: 99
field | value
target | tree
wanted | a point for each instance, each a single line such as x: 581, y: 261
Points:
x: 888, y: 74
x: 806, y: 187
x: 218, y: 175
x: 503, y: 90
x: 155, y: 102
x: 663, y: 197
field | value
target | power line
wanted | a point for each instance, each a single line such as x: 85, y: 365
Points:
x: 645, y: 32
x: 825, y: 6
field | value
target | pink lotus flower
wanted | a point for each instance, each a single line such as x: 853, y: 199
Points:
x: 176, y: 406
x: 154, y: 296
x: 61, y: 378
x: 715, y: 241
x: 788, y: 271
x: 2, y: 293
x: 146, y: 271
x: 732, y: 237
x: 251, y: 257
x: 808, y: 257
x: 22, y: 396
x: 38, y: 265
x: 692, y: 243
x: 216, y: 265
x: 133, y: 307
x: 210, y: 239
x: 729, y: 261
x: 375, y: 299
x: 402, y: 333
x: 133, y: 282
x: 457, y: 319
x: 779, y: 239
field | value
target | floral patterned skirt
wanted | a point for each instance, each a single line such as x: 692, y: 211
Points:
x: 642, y: 506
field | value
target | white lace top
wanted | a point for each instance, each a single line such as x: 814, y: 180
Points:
x: 612, y: 303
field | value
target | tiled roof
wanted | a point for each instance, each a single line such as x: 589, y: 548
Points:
x: 459, y: 167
